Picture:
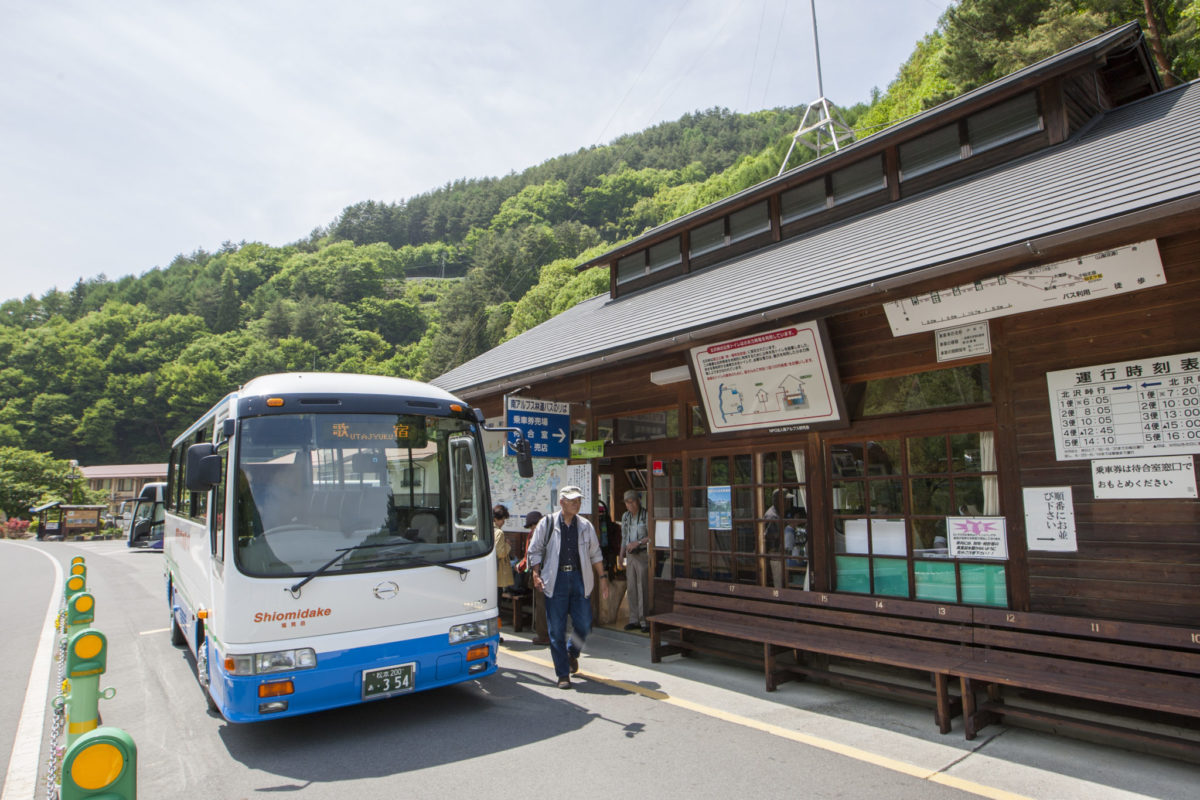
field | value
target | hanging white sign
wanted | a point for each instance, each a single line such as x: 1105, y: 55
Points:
x: 1050, y: 519
x: 977, y: 537
x: 1157, y: 476
x: 1147, y: 407
x: 1104, y: 274
x: 775, y: 379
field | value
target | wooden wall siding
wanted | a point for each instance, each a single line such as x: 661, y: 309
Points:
x: 864, y: 347
x: 1080, y: 96
x: 1137, y: 559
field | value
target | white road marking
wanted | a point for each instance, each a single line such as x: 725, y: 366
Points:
x: 20, y: 782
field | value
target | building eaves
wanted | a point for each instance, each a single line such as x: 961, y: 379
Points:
x: 1141, y: 156
x: 1126, y: 35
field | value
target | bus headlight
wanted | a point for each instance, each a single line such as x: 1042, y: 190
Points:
x: 278, y: 661
x: 469, y: 631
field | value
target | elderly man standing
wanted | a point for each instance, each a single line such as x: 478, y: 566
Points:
x: 564, y: 554
x: 635, y: 539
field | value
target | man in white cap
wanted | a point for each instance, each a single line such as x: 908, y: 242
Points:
x: 563, y: 555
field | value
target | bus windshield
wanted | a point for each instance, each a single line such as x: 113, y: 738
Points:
x: 310, y: 486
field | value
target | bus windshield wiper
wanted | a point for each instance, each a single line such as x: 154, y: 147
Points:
x: 421, y: 560
x: 341, y: 553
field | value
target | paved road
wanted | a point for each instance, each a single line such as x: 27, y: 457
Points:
x: 684, y: 729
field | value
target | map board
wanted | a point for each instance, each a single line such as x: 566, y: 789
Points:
x: 776, y: 379
x: 539, y: 493
x: 1104, y: 274
x: 1147, y: 407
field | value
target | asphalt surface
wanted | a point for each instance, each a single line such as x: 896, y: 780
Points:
x: 685, y: 728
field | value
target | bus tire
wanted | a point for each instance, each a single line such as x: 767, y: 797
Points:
x: 202, y: 676
x: 177, y: 638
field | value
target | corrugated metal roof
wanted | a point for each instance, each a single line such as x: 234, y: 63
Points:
x: 1136, y: 157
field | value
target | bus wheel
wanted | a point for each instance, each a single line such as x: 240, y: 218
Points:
x: 176, y: 632
x: 202, y: 674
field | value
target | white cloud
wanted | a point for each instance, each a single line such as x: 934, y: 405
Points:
x: 134, y: 131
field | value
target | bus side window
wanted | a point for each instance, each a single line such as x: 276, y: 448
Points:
x: 216, y: 525
x: 462, y: 485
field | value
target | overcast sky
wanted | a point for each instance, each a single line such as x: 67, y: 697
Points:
x: 132, y: 131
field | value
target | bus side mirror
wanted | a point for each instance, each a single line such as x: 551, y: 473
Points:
x: 524, y: 457
x: 521, y: 447
x: 203, y: 467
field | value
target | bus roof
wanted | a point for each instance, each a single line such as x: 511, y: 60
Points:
x: 341, y: 383
x: 329, y: 383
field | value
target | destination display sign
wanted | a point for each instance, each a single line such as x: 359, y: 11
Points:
x: 1127, y: 409
x: 545, y: 423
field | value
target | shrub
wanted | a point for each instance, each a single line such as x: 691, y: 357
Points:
x: 16, y: 528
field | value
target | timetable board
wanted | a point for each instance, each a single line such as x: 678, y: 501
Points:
x: 1147, y: 407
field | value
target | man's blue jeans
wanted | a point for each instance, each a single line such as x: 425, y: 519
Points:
x: 568, y: 598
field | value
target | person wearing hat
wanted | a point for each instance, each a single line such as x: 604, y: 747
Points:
x: 564, y: 554
x: 541, y: 634
x: 635, y: 538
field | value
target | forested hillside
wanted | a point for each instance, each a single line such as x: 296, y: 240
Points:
x: 111, y: 370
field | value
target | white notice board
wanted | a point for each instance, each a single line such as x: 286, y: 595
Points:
x: 1144, y: 478
x: 1090, y: 277
x: 977, y: 537
x: 779, y: 379
x: 1050, y: 519
x: 1146, y: 407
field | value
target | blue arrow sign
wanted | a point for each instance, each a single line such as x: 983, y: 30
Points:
x: 545, y: 423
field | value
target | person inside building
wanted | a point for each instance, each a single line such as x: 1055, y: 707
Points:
x: 772, y: 540
x: 564, y: 554
x: 540, y: 630
x: 635, y: 541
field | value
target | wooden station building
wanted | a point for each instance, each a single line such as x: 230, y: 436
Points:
x: 957, y: 362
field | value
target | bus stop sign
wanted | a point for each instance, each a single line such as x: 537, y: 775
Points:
x: 545, y: 423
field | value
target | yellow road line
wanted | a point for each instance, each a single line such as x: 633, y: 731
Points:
x: 923, y: 773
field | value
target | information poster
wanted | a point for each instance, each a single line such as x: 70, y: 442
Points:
x: 1148, y: 407
x: 977, y: 537
x: 1144, y: 478
x: 779, y: 379
x: 1103, y: 274
x: 1050, y: 519
x: 720, y: 508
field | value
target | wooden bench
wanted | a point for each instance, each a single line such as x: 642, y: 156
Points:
x: 927, y: 637
x: 1139, y: 665
x: 514, y: 608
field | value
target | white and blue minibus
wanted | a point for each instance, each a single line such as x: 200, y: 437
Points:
x: 328, y: 542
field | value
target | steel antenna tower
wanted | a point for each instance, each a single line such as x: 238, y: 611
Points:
x: 823, y: 121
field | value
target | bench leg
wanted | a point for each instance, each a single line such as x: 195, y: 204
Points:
x: 655, y: 641
x: 941, y: 713
x: 968, y: 701
x: 975, y: 718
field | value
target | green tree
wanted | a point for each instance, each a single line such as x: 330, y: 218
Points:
x: 30, y: 478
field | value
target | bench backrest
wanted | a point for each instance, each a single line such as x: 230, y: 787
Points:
x: 884, y: 615
x: 1143, y: 644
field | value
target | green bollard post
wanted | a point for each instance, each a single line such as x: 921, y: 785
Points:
x: 81, y: 612
x: 87, y: 656
x: 74, y: 585
x: 102, y: 765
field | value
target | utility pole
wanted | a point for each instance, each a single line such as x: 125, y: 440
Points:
x: 823, y: 119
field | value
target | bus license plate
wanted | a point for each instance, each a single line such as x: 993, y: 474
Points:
x: 388, y: 680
